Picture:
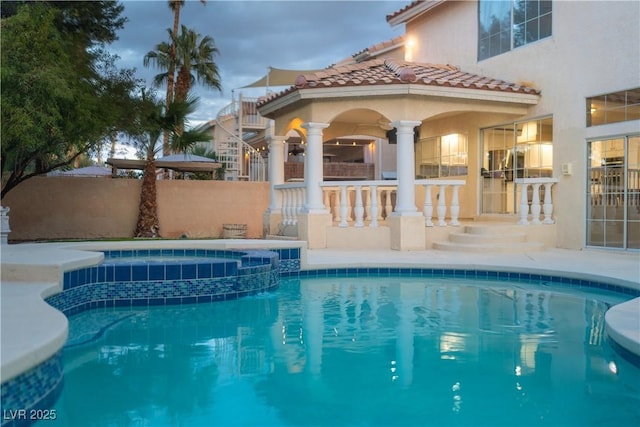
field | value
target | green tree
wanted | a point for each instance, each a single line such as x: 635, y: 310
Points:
x: 61, y: 93
x: 175, y: 6
x: 193, y: 59
x: 195, y: 63
x: 157, y: 119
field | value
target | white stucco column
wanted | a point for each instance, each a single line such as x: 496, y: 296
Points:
x: 313, y: 164
x: 406, y: 201
x: 276, y: 170
x: 406, y: 223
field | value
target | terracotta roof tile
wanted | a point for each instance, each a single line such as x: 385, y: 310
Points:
x: 372, y: 50
x: 386, y: 71
x: 404, y: 9
x: 413, y: 9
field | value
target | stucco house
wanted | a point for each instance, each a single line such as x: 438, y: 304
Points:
x: 506, y: 123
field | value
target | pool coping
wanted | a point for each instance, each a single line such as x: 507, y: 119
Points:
x: 25, y: 283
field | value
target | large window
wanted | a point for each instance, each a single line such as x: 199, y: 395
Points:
x: 613, y: 193
x: 506, y: 24
x: 613, y: 107
x: 442, y: 156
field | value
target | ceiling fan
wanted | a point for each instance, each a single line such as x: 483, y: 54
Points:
x: 296, y: 150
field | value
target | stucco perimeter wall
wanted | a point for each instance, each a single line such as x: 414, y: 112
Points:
x: 45, y: 208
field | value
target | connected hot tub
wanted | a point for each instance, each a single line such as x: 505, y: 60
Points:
x: 147, y: 277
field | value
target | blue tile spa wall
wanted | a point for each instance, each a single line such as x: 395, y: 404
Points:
x: 159, y: 277
x: 30, y: 396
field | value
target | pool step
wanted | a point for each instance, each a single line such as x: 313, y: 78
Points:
x: 279, y: 237
x: 481, y: 238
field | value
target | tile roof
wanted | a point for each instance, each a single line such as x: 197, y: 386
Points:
x: 372, y: 52
x: 380, y: 47
x: 378, y: 72
x: 413, y: 10
x: 404, y: 9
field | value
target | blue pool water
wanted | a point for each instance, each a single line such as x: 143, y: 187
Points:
x: 393, y: 351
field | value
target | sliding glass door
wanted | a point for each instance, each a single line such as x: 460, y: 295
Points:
x: 613, y: 193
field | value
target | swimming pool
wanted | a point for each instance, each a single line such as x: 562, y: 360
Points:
x: 344, y: 350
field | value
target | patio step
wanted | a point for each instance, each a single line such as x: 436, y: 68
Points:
x: 488, y: 238
x: 489, y: 247
x: 484, y: 238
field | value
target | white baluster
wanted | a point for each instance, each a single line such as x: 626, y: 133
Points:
x: 4, y: 225
x: 343, y: 206
x: 442, y: 206
x: 300, y: 201
x: 548, y: 204
x: 326, y: 198
x: 427, y: 208
x: 373, y: 211
x: 535, y: 204
x: 379, y: 200
x: 336, y: 207
x: 286, y: 203
x: 367, y: 203
x: 455, y: 207
x: 349, y: 205
x: 359, y: 207
x: 388, y: 208
x: 524, y: 205
x: 290, y: 206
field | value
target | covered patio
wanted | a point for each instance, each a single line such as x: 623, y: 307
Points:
x: 396, y: 103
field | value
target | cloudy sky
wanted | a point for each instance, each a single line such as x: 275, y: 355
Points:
x: 254, y: 35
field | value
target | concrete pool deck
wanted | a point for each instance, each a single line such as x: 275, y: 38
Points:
x: 32, y: 330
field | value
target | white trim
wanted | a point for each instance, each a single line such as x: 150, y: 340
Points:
x: 605, y: 131
x: 414, y: 11
x: 399, y: 89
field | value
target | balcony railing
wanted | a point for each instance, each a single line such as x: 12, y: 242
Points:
x: 537, y: 204
x: 245, y: 111
x: 355, y: 203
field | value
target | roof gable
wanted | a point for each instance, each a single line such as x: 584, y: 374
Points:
x: 380, y: 72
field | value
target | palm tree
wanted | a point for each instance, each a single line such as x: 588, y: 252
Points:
x: 158, y: 119
x: 194, y: 61
x: 175, y: 6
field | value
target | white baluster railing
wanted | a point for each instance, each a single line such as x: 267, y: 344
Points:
x: 359, y: 201
x: 356, y: 203
x: 441, y: 207
x: 293, y: 196
x: 536, y: 207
